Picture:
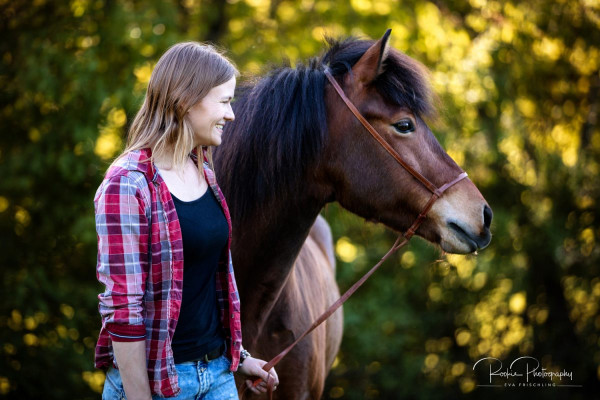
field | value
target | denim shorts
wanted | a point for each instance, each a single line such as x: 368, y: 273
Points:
x: 197, y: 380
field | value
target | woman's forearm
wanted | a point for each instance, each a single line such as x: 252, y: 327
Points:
x: 131, y: 359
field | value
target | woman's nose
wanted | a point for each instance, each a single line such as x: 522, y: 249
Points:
x: 229, y: 115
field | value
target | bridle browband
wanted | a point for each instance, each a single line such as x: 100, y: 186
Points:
x: 402, y: 240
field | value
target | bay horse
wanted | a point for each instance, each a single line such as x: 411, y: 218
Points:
x: 294, y: 147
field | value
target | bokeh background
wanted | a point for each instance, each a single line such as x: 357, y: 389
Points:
x: 519, y: 89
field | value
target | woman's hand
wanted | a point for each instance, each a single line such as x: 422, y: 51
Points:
x: 252, y: 368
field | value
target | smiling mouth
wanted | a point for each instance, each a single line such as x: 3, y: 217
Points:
x: 220, y: 127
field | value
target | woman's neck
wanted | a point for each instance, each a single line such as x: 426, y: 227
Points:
x: 165, y: 163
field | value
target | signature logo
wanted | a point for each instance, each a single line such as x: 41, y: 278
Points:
x: 523, y: 371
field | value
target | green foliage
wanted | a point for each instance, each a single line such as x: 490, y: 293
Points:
x: 519, y: 86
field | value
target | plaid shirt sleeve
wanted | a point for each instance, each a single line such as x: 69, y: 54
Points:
x: 122, y: 229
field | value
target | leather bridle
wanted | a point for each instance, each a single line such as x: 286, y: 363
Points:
x: 402, y: 240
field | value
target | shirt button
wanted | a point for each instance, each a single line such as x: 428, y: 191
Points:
x: 232, y: 316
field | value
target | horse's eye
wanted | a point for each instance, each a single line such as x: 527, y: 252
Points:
x: 404, y: 126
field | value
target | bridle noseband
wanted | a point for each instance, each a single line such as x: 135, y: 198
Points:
x: 402, y: 240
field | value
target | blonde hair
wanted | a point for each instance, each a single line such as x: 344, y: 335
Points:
x: 183, y: 76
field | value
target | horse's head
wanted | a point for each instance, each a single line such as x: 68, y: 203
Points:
x: 391, y: 91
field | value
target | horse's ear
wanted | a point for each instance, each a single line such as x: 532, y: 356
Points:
x: 370, y: 64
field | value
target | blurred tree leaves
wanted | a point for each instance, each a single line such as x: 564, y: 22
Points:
x: 519, y: 86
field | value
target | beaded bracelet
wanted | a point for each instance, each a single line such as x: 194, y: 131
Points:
x: 243, y: 355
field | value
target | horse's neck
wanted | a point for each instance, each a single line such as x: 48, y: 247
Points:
x: 264, y: 250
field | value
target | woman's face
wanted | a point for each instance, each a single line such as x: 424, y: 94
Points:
x: 208, y: 116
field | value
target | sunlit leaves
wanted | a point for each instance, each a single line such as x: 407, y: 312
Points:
x: 109, y: 142
x: 345, y: 250
x: 517, y: 303
x: 95, y: 379
x: 518, y: 84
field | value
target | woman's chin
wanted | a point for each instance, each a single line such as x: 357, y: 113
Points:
x: 216, y: 141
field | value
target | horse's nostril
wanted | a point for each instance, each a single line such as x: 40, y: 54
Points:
x: 487, y: 216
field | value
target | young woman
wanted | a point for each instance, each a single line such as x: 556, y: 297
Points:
x: 170, y: 310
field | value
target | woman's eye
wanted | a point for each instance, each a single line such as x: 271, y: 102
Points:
x: 404, y: 126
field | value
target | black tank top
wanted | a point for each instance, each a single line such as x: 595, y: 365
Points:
x: 204, y: 232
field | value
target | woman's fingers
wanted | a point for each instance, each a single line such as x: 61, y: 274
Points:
x: 260, y: 388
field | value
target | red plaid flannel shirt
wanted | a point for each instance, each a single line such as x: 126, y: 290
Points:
x: 140, y: 263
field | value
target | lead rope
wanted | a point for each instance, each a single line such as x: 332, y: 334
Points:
x: 400, y: 242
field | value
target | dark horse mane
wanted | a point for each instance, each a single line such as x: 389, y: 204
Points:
x: 281, y: 122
